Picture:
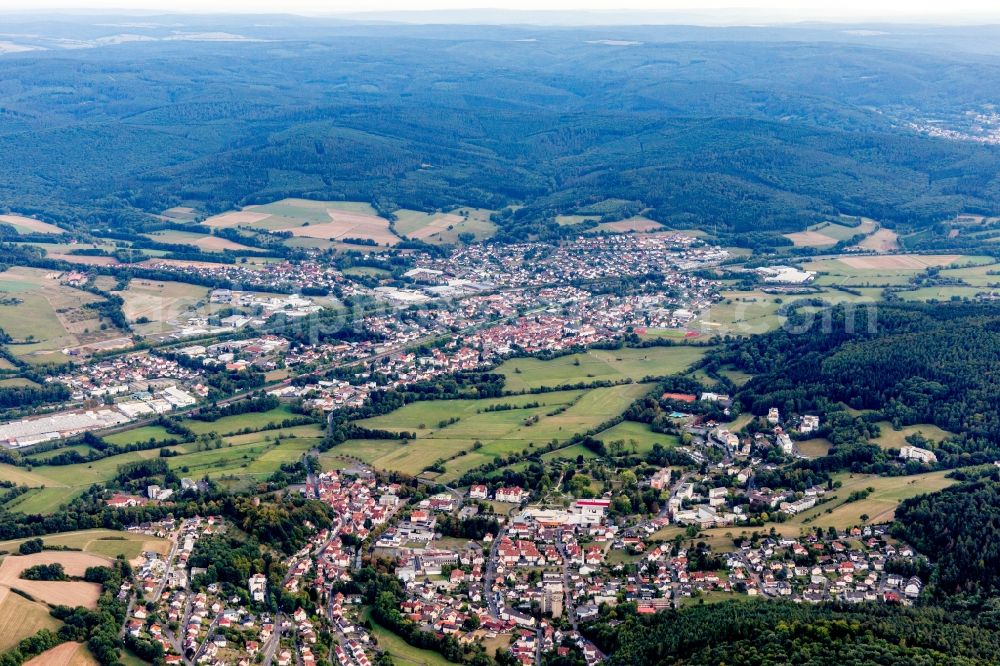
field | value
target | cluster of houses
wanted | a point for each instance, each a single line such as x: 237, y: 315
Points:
x: 261, y: 353
x: 584, y: 258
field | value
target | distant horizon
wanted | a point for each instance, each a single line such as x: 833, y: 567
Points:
x: 511, y: 12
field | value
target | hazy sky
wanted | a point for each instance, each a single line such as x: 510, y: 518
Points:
x: 806, y: 9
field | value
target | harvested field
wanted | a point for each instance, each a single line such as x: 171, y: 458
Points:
x: 20, y: 618
x: 638, y: 224
x: 205, y: 242
x: 826, y: 234
x: 436, y: 224
x: 236, y: 218
x: 445, y: 227
x: 182, y: 213
x: 29, y: 225
x: 883, y: 240
x: 916, y: 262
x: 64, y: 654
x: 160, y: 302
x: 347, y: 224
x: 810, y: 239
x: 70, y: 593
x: 84, y: 260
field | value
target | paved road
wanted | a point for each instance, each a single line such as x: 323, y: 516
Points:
x: 490, y: 576
x: 271, y: 646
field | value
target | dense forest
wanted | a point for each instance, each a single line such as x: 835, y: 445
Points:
x: 916, y: 363
x: 776, y: 632
x: 679, y: 124
x: 960, y: 528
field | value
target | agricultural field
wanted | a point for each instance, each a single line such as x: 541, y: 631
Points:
x: 444, y: 227
x: 882, y: 270
x: 894, y: 439
x: 638, y: 437
x: 44, y: 317
x: 245, y: 457
x: 59, y: 249
x: 27, y: 225
x: 20, y: 618
x: 558, y: 416
x: 180, y: 214
x: 883, y: 240
x: 70, y: 593
x: 109, y: 543
x: 939, y: 293
x: 164, y: 304
x: 742, y: 313
x: 43, y: 500
x: 324, y: 220
x: 204, y: 242
x: 69, y: 653
x: 570, y: 220
x: 135, y: 435
x: 229, y: 425
x: 599, y: 365
x: 828, y: 234
x: 637, y: 224
x: 975, y: 276
x: 16, y: 381
x: 754, y: 312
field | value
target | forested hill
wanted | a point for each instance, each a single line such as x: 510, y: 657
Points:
x: 959, y: 528
x: 935, y: 364
x: 734, y: 131
x: 765, y: 633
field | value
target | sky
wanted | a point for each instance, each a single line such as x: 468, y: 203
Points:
x: 745, y: 10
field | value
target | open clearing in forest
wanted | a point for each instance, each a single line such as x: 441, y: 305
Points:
x: 893, y: 439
